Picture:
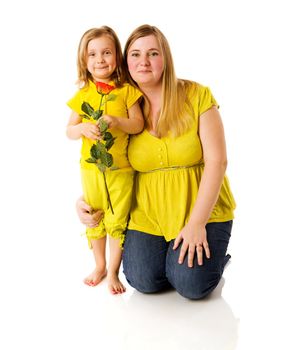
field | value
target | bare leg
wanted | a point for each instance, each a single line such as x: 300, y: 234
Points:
x: 114, y: 284
x: 98, y: 247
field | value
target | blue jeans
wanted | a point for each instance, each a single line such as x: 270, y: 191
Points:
x: 151, y: 265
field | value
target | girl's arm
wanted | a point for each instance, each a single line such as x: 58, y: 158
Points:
x: 76, y: 129
x: 131, y: 125
x: 215, y: 162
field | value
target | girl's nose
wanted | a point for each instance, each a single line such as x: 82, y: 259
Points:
x: 100, y: 59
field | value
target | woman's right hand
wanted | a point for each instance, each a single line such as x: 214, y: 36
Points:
x: 87, y: 215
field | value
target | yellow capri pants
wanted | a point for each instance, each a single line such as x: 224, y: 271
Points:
x: 120, y: 185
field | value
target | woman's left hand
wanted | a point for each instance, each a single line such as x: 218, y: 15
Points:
x: 194, y: 237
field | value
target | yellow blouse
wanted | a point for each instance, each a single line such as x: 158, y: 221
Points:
x: 168, y: 178
x: 125, y: 97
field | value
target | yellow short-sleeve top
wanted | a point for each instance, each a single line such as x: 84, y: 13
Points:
x: 125, y: 97
x: 169, y: 174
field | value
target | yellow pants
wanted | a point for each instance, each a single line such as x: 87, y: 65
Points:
x: 120, y: 185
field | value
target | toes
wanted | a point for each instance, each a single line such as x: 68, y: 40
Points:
x: 119, y: 289
x: 88, y: 282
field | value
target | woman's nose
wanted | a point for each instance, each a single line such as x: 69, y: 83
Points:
x: 144, y: 61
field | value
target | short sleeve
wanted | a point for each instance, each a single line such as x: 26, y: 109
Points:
x: 206, y: 99
x: 75, y: 102
x: 132, y: 95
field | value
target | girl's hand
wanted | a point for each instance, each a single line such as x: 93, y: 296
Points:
x: 194, y: 237
x: 111, y: 121
x: 91, y: 131
x: 87, y: 215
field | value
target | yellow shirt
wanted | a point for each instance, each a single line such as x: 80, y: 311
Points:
x: 126, y: 96
x: 169, y: 174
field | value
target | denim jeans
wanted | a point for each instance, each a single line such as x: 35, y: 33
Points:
x: 151, y: 265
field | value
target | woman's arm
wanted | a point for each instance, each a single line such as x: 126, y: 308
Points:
x: 131, y: 125
x: 86, y: 214
x: 215, y: 162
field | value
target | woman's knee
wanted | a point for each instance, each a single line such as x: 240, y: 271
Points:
x: 197, y: 287
x: 193, y: 282
x: 144, y: 262
x: 144, y: 277
x: 145, y: 281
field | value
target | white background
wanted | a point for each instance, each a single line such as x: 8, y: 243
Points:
x: 251, y: 54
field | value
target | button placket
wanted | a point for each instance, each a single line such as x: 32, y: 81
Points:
x: 162, y: 153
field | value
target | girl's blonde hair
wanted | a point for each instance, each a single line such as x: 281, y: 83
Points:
x: 119, y: 75
x: 176, y: 114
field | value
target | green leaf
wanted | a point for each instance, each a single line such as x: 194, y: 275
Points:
x: 103, y: 125
x: 95, y: 152
x: 91, y: 160
x: 100, y: 147
x: 109, y: 144
x: 107, y: 159
x: 97, y: 114
x: 84, y: 116
x: 87, y: 108
x: 111, y: 97
x: 107, y: 136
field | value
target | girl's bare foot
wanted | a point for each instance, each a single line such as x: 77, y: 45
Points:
x: 114, y: 284
x: 95, y: 277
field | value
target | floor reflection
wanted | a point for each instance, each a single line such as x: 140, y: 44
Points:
x: 168, y: 321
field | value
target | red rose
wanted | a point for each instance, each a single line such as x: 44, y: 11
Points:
x: 103, y: 88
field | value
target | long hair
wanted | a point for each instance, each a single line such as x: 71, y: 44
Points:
x: 119, y: 74
x: 176, y: 114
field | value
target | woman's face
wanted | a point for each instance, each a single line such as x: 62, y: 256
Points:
x: 145, y: 61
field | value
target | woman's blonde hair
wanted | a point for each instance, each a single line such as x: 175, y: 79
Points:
x: 176, y: 114
x: 119, y: 75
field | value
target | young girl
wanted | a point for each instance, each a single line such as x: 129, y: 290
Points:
x: 100, y: 64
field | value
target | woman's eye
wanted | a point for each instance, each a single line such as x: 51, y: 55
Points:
x: 154, y: 53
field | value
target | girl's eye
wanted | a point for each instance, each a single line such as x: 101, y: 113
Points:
x: 91, y: 54
x: 107, y: 52
x: 135, y: 54
x: 154, y: 53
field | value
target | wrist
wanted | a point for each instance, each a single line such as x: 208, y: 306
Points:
x: 198, y: 221
x: 80, y: 129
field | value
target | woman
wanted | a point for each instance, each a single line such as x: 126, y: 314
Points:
x: 182, y: 212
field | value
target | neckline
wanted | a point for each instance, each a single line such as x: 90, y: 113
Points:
x: 155, y: 137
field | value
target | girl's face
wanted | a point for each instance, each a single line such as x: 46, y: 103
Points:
x: 101, y: 58
x: 145, y: 61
